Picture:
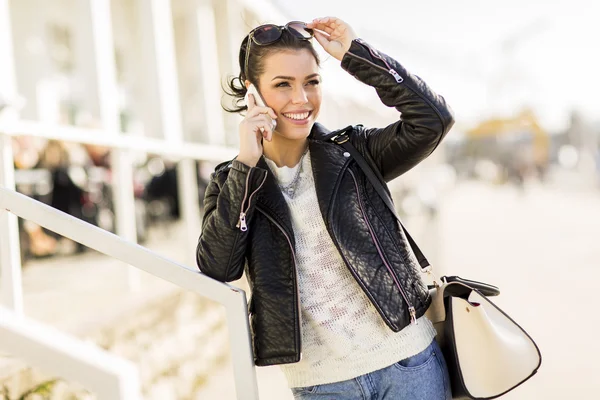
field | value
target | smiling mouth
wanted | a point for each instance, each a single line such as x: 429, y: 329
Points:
x: 303, y: 116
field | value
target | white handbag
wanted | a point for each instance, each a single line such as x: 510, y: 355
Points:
x: 488, y: 354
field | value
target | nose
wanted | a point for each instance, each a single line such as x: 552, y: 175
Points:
x: 299, y: 96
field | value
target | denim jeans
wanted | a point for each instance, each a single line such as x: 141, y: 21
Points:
x: 423, y: 376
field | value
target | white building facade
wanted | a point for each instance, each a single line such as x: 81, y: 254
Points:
x: 74, y: 60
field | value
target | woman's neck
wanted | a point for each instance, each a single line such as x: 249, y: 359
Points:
x: 284, y: 152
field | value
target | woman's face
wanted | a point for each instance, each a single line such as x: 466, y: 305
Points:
x: 291, y: 86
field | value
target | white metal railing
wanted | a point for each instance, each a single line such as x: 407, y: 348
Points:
x: 161, y: 112
x: 232, y: 298
x: 103, y: 137
x: 108, y: 376
x: 10, y: 267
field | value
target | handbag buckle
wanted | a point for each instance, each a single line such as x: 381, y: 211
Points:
x: 341, y: 138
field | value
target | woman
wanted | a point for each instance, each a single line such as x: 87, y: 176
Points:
x: 337, y: 298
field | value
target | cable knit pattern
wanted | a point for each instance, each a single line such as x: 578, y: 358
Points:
x: 343, y: 335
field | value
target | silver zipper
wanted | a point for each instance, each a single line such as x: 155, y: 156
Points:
x: 397, y: 76
x: 391, y: 70
x: 295, y: 272
x: 242, y: 220
x: 411, y: 309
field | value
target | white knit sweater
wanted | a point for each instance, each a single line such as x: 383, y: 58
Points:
x: 343, y: 336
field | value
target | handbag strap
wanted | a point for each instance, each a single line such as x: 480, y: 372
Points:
x: 376, y: 180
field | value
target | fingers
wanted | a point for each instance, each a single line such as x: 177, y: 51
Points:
x: 327, y: 24
x: 323, y: 28
x: 262, y: 124
x: 253, y: 109
x: 259, y: 120
x: 256, y: 110
x: 322, y: 38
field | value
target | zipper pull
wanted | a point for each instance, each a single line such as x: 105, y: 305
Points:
x: 396, y: 75
x: 242, y: 222
x: 413, y: 315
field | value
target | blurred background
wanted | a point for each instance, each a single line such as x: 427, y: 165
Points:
x: 511, y: 197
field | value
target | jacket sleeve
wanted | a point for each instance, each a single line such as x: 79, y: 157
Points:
x: 425, y: 117
x: 228, y: 208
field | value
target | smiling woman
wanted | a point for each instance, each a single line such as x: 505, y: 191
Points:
x: 342, y: 313
x: 284, y: 67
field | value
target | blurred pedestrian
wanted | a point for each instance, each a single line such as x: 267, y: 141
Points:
x: 337, y: 298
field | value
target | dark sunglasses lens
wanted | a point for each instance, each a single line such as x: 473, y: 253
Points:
x: 267, y: 34
x: 300, y: 30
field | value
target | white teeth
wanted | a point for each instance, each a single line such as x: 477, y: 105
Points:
x: 300, y: 116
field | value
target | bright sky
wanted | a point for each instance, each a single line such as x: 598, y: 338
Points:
x: 457, y: 47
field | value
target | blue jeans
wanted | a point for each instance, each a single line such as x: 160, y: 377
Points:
x: 423, y: 376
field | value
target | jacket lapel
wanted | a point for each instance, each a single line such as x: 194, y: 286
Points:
x: 328, y: 161
x: 271, y: 199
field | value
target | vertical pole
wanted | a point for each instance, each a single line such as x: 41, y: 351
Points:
x: 230, y: 30
x: 11, y: 287
x: 189, y: 204
x: 163, y: 108
x: 97, y: 12
x: 244, y: 371
x: 207, y: 56
x: 157, y: 22
x: 202, y: 22
x: 7, y: 66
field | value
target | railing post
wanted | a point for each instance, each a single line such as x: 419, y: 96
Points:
x: 244, y: 370
x: 11, y: 288
x: 187, y: 184
x: 97, y: 12
x: 233, y: 299
x: 10, y: 254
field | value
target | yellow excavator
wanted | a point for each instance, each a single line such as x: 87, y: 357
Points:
x: 524, y: 126
x: 519, y: 144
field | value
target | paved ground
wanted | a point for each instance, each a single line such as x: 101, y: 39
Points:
x: 541, y: 248
x: 77, y: 293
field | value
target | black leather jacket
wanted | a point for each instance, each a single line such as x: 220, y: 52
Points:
x: 364, y: 231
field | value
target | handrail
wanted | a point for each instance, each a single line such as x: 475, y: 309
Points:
x: 123, y: 194
x: 101, y: 137
x: 233, y: 298
x: 111, y: 377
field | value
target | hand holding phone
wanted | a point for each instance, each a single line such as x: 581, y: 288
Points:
x: 258, y: 100
x: 257, y: 125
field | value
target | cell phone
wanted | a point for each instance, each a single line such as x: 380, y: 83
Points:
x: 257, y: 99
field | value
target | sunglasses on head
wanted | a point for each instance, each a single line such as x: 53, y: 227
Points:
x: 269, y: 33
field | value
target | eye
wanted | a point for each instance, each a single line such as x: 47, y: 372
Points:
x: 282, y: 84
x: 314, y: 82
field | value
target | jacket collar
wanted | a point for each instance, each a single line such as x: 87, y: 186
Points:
x: 319, y: 132
x: 328, y: 163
